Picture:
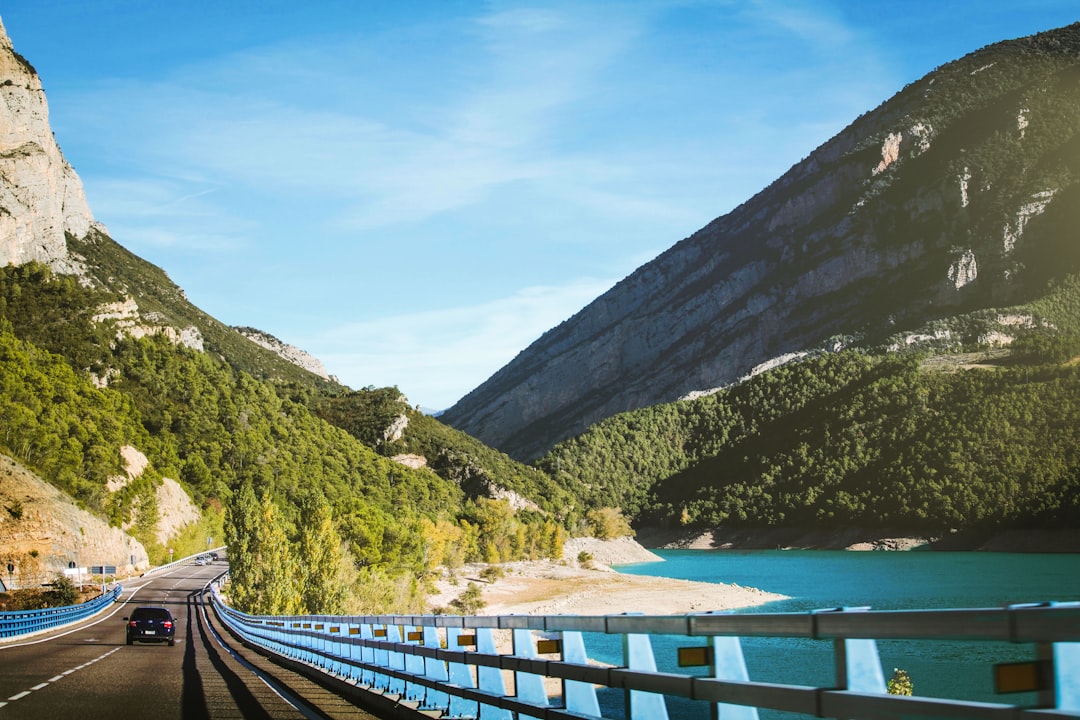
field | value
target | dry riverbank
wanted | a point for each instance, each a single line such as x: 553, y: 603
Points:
x: 570, y: 587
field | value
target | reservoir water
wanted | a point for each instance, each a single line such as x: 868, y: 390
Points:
x: 883, y: 581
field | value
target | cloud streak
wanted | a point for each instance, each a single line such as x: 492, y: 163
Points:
x: 503, y: 167
x: 435, y: 356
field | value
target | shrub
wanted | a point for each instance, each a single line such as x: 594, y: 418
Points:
x: 469, y: 602
x: 899, y: 683
x: 492, y: 573
x: 63, y: 592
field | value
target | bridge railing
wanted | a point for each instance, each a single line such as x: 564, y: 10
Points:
x: 26, y: 622
x: 186, y: 560
x: 455, y: 666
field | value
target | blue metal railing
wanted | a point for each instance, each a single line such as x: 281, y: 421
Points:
x: 186, y: 560
x: 25, y: 622
x: 455, y: 665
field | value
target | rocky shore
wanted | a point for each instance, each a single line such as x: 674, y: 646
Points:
x: 583, y: 583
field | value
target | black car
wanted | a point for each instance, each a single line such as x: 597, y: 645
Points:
x: 151, y: 624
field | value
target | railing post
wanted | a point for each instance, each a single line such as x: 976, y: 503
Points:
x: 527, y: 686
x: 490, y: 678
x: 728, y: 663
x: 462, y: 676
x: 1064, y: 658
x: 352, y: 652
x: 414, y: 665
x: 858, y: 665
x: 434, y: 669
x: 580, y: 696
x: 638, y: 655
x: 395, y: 660
x: 379, y: 657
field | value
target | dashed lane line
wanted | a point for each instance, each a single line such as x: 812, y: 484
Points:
x: 50, y: 681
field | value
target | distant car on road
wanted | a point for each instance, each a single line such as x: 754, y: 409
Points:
x: 151, y: 624
x: 213, y: 556
x: 202, y: 560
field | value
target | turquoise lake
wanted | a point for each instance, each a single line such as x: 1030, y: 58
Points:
x: 883, y: 581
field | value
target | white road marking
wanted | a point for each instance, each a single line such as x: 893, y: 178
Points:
x: 42, y: 686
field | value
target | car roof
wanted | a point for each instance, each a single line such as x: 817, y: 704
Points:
x: 150, y: 610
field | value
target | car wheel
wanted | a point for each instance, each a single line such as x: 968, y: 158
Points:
x: 130, y: 641
x: 171, y: 642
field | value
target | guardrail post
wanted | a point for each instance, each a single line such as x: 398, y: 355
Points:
x: 858, y: 665
x: 638, y: 655
x: 379, y: 657
x: 434, y: 669
x: 414, y: 665
x: 462, y: 676
x: 351, y: 652
x: 395, y: 661
x: 728, y: 663
x: 527, y: 686
x: 490, y: 678
x: 1067, y: 676
x: 580, y: 697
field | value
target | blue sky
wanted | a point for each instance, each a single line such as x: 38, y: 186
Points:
x: 415, y: 191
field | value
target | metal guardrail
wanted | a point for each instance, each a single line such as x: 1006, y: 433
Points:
x: 26, y: 622
x: 451, y: 664
x: 187, y: 560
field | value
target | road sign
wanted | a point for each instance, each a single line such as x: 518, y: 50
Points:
x: 103, y: 569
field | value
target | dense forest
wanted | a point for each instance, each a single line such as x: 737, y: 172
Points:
x: 859, y: 438
x: 74, y: 391
x: 301, y: 478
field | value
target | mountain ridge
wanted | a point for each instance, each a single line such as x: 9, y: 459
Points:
x: 950, y: 196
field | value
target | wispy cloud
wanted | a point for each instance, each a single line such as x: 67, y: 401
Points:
x: 437, y: 355
x: 378, y: 172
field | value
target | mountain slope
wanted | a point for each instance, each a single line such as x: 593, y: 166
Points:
x: 961, y: 192
x: 101, y: 354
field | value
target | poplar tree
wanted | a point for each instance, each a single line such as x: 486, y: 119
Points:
x: 278, y: 592
x: 323, y: 590
x: 241, y: 536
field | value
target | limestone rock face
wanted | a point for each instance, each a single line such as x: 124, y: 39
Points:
x: 42, y: 530
x: 938, y: 202
x: 298, y: 357
x: 41, y: 197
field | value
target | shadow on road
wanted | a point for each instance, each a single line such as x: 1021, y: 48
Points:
x: 193, y: 698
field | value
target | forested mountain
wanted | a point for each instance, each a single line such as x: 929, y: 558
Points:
x: 960, y: 193
x: 956, y: 447
x: 102, y: 358
x: 964, y: 241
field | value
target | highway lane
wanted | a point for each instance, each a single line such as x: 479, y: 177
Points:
x: 89, y: 672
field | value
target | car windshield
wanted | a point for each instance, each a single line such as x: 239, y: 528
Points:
x: 150, y: 614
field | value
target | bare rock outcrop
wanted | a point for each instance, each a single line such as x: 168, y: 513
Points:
x: 937, y: 203
x: 41, y: 197
x: 42, y: 530
x: 298, y: 357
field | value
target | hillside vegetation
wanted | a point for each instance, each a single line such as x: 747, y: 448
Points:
x: 858, y: 438
x: 226, y: 434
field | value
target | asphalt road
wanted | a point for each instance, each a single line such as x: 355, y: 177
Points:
x: 88, y: 671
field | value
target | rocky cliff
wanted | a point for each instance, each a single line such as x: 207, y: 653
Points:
x: 42, y: 530
x: 960, y: 192
x: 41, y: 197
x: 298, y: 357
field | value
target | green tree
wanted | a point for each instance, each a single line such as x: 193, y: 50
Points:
x: 278, y: 592
x: 242, y: 528
x: 322, y: 588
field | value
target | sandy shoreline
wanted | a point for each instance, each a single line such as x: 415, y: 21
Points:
x: 567, y: 587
